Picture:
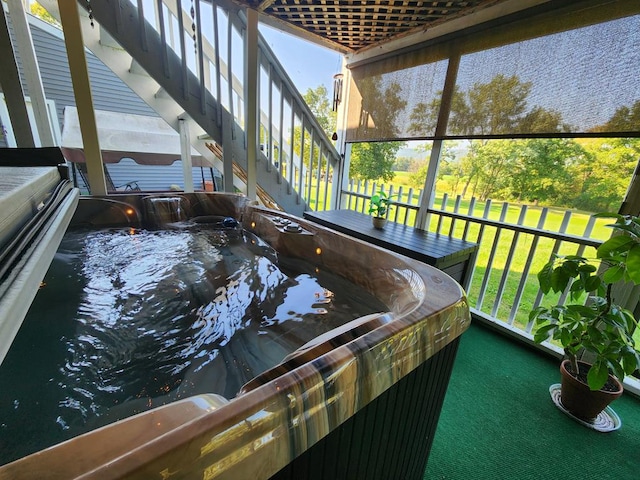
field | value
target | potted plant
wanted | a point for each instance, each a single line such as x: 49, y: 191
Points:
x: 599, y: 331
x: 379, y: 207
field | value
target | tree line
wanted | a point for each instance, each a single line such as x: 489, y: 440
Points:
x: 589, y: 174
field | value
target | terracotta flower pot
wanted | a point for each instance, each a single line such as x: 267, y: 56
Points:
x: 379, y: 222
x: 579, y: 399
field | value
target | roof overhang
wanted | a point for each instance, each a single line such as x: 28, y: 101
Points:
x: 366, y: 29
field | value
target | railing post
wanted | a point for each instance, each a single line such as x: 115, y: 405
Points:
x: 251, y: 100
x: 507, y: 264
x: 185, y: 147
x: 12, y: 88
x: 183, y: 53
x: 32, y: 72
x: 82, y: 92
x: 345, y: 165
x: 492, y: 254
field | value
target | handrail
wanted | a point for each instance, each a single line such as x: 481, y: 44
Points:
x: 503, y: 280
x: 563, y: 237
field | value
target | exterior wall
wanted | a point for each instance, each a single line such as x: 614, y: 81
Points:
x: 154, y: 177
x: 109, y: 92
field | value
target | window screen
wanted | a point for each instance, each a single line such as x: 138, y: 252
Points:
x: 578, y: 81
x: 569, y: 73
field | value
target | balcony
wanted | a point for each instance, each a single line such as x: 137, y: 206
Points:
x: 296, y: 160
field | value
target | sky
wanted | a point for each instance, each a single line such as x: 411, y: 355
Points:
x: 309, y: 65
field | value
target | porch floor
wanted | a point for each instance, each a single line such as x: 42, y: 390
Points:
x: 499, y: 422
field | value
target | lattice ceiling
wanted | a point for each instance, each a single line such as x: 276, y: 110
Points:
x: 358, y: 24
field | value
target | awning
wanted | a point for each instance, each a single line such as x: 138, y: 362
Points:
x: 146, y: 140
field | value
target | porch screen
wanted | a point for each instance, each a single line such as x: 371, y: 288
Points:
x: 512, y: 81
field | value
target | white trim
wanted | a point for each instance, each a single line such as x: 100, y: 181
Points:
x: 9, y: 135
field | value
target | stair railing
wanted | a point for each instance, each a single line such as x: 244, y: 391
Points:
x: 209, y: 41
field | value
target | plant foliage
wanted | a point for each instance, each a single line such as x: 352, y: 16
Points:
x: 599, y: 326
x: 379, y: 204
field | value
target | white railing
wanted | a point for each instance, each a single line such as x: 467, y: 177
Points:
x: 504, y: 286
x: 209, y: 40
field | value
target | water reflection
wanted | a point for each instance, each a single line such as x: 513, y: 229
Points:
x: 130, y: 320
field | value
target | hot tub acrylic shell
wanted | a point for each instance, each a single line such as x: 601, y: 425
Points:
x: 362, y: 400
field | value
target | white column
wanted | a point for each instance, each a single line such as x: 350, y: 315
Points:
x: 227, y: 153
x: 429, y: 189
x: 185, y: 151
x: 82, y: 92
x: 12, y: 88
x: 31, y: 71
x: 251, y: 100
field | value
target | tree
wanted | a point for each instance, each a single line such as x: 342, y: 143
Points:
x: 39, y: 11
x: 447, y: 159
x: 539, y: 170
x: 600, y: 178
x: 402, y: 164
x: 624, y: 119
x: 373, y: 160
x: 424, y: 116
x: 318, y: 101
x: 491, y: 161
x: 543, y: 121
x: 496, y: 107
x: 493, y: 108
x: 380, y: 107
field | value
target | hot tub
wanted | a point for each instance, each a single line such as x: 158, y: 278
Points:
x: 359, y: 401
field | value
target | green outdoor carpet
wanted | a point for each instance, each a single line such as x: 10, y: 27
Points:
x: 499, y: 422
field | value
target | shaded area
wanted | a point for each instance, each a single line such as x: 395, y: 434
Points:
x: 498, y: 421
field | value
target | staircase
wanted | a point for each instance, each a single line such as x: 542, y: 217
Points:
x: 188, y: 67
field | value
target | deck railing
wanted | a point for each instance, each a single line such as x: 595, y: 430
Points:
x: 515, y: 241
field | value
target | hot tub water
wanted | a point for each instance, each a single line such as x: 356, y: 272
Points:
x: 132, y: 319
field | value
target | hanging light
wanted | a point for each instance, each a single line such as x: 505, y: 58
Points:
x: 337, y: 91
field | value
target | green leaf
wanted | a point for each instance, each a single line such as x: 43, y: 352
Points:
x: 587, y: 268
x: 632, y: 229
x: 608, y: 215
x: 566, y: 338
x: 577, y: 286
x: 536, y: 312
x: 592, y: 284
x: 544, y: 277
x: 543, y: 333
x: 633, y: 264
x: 631, y: 361
x: 613, y: 274
x: 570, y: 267
x: 617, y: 369
x: 598, y: 375
x: 559, y: 279
x: 619, y: 243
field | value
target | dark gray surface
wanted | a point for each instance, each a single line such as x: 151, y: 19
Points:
x: 453, y: 256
